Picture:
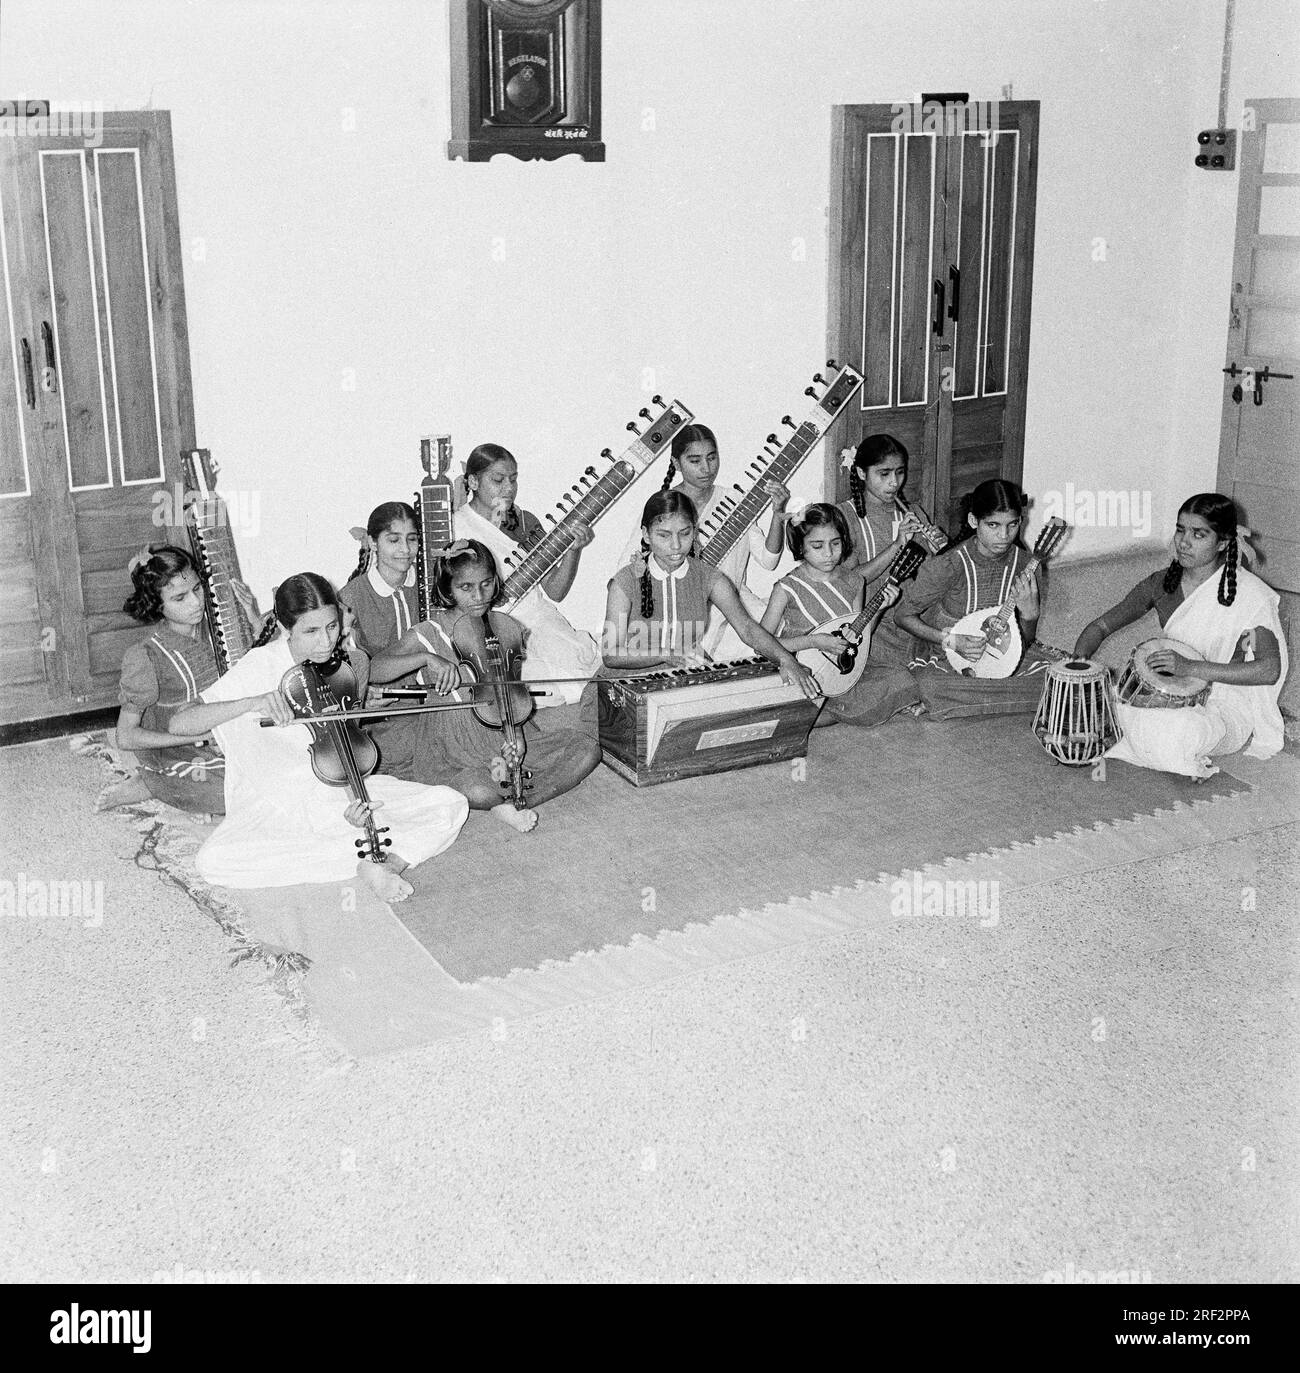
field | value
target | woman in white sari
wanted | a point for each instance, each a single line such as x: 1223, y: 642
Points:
x: 1207, y: 601
x: 555, y: 647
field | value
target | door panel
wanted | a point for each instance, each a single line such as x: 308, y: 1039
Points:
x: 1258, y: 443
x: 92, y: 254
x: 930, y: 268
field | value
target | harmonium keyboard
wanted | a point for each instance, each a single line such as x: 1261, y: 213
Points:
x: 663, y: 726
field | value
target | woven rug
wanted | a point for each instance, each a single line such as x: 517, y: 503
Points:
x: 610, y: 863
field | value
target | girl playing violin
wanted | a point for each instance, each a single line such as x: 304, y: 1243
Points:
x: 160, y: 676
x: 825, y: 586
x: 657, y: 608
x: 283, y: 825
x: 457, y: 747
x: 380, y: 600
x: 981, y: 571
x: 555, y: 648
x: 1205, y: 599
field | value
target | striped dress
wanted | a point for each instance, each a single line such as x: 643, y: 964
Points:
x: 872, y: 533
x: 959, y: 582
x: 882, y: 690
x: 161, y: 675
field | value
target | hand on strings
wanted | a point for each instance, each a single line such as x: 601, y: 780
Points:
x: 246, y: 600
x: 780, y: 494
x: 358, y: 811
x: 500, y: 512
x: 891, y: 594
x: 1024, y: 595
x: 834, y: 644
x: 969, y: 646
x: 582, y: 536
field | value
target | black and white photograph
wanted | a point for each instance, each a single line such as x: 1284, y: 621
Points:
x: 649, y: 642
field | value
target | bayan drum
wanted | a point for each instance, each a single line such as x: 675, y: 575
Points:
x: 1141, y: 685
x: 1076, y: 720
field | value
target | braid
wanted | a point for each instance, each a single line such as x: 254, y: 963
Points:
x: 1228, y: 581
x: 268, y: 631
x: 647, y: 587
x: 363, y: 562
x: 858, y: 488
x: 669, y: 475
x: 1173, y: 575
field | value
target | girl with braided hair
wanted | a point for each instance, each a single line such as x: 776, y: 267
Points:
x: 657, y: 609
x: 1206, y: 599
x: 693, y: 473
x: 162, y: 674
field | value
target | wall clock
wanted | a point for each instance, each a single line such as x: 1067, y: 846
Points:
x: 525, y: 79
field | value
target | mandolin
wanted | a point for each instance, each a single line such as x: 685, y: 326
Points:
x: 1004, y: 645
x: 213, y: 546
x: 434, y: 504
x: 592, y: 496
x: 733, y: 515
x: 837, y: 674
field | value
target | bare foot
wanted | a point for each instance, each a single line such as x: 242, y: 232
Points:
x: 123, y: 794
x: 387, y: 883
x: 522, y: 820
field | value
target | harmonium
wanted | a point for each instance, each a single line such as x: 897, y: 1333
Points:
x: 663, y: 726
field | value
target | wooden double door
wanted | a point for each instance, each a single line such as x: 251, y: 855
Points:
x: 930, y: 273
x: 95, y: 400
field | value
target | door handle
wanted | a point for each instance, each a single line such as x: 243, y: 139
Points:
x: 29, y: 380
x: 954, y: 307
x: 936, y: 324
x: 49, y: 373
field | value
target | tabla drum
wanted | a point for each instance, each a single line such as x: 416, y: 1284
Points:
x: 1143, y: 686
x: 1076, y: 720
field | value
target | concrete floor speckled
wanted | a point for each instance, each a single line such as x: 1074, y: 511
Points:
x: 1107, y: 1079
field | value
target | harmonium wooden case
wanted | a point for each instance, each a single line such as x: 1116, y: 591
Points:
x: 664, y: 726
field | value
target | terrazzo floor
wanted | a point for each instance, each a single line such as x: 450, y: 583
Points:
x: 1106, y: 1078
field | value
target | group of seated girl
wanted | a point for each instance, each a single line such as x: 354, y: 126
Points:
x: 199, y: 742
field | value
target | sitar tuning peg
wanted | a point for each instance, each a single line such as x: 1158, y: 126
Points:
x: 656, y: 400
x: 785, y: 419
x: 644, y: 413
x: 607, y: 453
x: 832, y: 364
x: 771, y: 438
x: 632, y: 426
x: 591, y: 472
x: 818, y: 379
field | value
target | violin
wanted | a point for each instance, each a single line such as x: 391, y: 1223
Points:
x: 342, y: 754
x: 492, y: 647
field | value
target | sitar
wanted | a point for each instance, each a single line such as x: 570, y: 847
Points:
x: 213, y: 546
x: 593, y: 495
x: 435, y: 502
x: 778, y: 461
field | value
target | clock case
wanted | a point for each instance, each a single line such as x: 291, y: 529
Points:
x: 525, y: 79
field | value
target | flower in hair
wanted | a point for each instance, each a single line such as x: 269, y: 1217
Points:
x: 847, y: 455
x: 456, y: 549
x: 797, y: 512
x: 1244, y: 551
x: 142, y: 557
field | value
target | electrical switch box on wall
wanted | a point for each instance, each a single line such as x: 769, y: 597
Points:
x: 1216, y: 149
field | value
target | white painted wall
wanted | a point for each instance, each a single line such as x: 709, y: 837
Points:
x: 537, y: 305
